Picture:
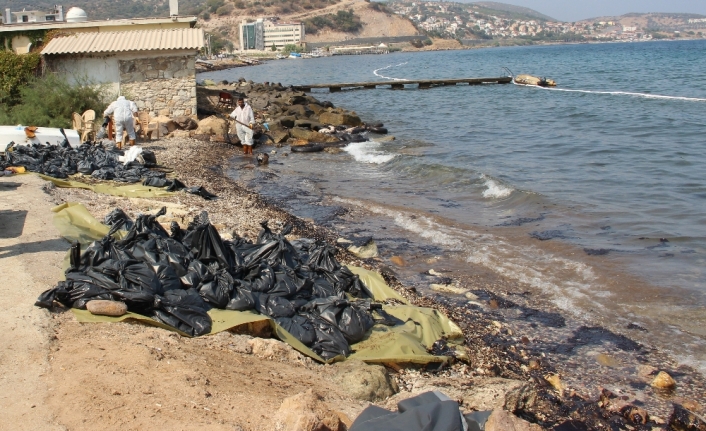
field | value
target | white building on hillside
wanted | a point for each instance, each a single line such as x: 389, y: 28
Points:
x: 262, y: 35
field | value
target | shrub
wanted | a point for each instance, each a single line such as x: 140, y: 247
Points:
x: 213, y: 5
x: 206, y: 16
x: 15, y: 71
x: 225, y: 9
x: 49, y: 101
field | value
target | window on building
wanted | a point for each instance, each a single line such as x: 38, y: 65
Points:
x: 50, y: 18
x: 25, y: 18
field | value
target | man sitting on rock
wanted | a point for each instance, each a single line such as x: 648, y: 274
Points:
x: 245, y: 119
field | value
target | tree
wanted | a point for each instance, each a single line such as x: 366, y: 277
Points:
x: 273, y: 48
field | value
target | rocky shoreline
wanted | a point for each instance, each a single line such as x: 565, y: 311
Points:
x: 502, y: 370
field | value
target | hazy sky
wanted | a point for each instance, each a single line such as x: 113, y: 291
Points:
x: 575, y: 10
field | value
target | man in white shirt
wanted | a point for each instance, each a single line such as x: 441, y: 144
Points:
x: 243, y: 114
x: 123, y: 111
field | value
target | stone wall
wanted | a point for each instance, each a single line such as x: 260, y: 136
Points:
x: 162, y: 85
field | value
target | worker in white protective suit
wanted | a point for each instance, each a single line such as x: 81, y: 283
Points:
x: 123, y: 112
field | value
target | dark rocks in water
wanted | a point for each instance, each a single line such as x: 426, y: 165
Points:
x: 547, y: 235
x: 522, y: 220
x: 685, y: 420
x: 637, y: 327
x: 597, y: 251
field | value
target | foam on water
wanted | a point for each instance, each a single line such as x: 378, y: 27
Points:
x: 375, y: 72
x: 618, y: 93
x: 368, y: 152
x: 567, y: 280
x: 495, y: 190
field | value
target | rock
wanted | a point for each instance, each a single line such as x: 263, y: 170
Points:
x: 387, y: 138
x: 269, y: 348
x: 685, y: 420
x: 500, y: 420
x: 287, y: 122
x: 333, y: 150
x: 337, y: 119
x: 471, y: 296
x: 316, y: 108
x: 299, y: 111
x: 663, y: 381
x: 448, y: 288
x: 307, y: 412
x: 555, y: 381
x: 306, y: 123
x: 521, y: 398
x: 106, y: 308
x: 259, y: 103
x: 311, y: 136
x: 607, y: 361
x: 186, y: 123
x: 363, y: 251
x: 298, y: 99
x: 364, y: 382
x: 634, y: 414
x: 212, y: 126
x: 397, y: 260
x: 278, y: 136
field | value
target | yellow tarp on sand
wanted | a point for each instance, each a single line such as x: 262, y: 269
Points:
x: 127, y: 191
x: 407, y: 343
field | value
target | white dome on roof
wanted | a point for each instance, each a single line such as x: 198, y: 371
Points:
x: 76, y: 14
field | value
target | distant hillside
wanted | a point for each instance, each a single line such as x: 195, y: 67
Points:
x: 112, y: 9
x: 662, y: 22
x: 514, y: 11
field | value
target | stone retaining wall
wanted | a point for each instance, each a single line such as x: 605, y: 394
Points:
x: 162, y: 85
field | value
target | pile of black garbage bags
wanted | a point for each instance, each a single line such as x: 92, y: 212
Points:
x: 60, y: 161
x: 176, y: 277
x: 96, y: 160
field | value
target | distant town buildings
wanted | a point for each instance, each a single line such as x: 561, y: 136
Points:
x: 474, y: 21
x: 264, y: 34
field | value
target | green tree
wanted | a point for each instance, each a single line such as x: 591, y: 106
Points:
x: 273, y: 48
x: 15, y: 71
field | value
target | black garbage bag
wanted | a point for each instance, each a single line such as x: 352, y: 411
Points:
x: 118, y: 218
x: 344, y: 280
x: 242, y: 297
x: 206, y: 244
x: 287, y: 282
x: 184, y: 310
x: 201, y: 192
x: 149, y: 158
x: 155, y: 182
x: 274, y: 306
x: 174, y: 254
x: 59, y: 293
x: 175, y: 231
x: 138, y: 283
x: 330, y: 342
x: 299, y: 327
x: 239, y: 250
x: 197, y: 272
x: 83, y: 288
x: 261, y: 279
x: 86, y: 167
x: 352, y: 318
x: 265, y: 234
x: 106, y: 249
x: 100, y: 174
x: 175, y: 185
x: 322, y: 288
x: 277, y: 250
x: 218, y: 290
x: 323, y: 258
x: 168, y: 277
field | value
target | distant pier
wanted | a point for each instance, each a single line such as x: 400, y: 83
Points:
x: 400, y: 85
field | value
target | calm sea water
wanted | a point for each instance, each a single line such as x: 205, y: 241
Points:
x: 611, y: 165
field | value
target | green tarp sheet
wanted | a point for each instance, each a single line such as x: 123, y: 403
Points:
x: 407, y: 343
x: 127, y: 191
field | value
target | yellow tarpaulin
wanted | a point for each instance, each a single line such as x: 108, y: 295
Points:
x: 407, y: 343
x: 128, y: 191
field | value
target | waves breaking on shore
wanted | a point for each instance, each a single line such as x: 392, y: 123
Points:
x: 368, y: 152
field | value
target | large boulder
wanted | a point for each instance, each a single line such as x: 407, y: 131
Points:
x: 212, y: 125
x: 278, y: 136
x: 364, y: 382
x: 311, y: 136
x: 338, y: 119
x: 501, y: 420
x: 316, y: 108
x: 307, y: 412
x: 287, y: 122
x: 685, y: 420
x: 186, y: 123
x: 300, y: 111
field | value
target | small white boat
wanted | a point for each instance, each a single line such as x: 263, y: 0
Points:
x: 280, y: 57
x: 42, y: 135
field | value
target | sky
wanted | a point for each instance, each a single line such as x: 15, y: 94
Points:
x: 576, y: 10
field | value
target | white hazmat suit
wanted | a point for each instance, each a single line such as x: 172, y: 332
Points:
x: 122, y: 111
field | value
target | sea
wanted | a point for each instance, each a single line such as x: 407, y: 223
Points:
x: 590, y: 196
